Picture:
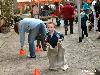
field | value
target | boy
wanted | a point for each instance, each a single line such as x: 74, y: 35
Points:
x: 55, y: 49
x: 84, y: 19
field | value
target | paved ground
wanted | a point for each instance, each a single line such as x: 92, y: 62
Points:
x: 80, y: 56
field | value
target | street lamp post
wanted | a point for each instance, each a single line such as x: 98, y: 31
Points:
x: 79, y: 21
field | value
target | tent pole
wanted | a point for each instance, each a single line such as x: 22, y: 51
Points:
x: 79, y: 21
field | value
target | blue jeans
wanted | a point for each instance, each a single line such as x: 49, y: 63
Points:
x: 33, y: 33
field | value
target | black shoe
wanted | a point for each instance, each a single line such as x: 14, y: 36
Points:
x: 82, y: 37
x: 97, y: 30
x: 33, y: 57
x: 51, y: 69
x: 58, y: 25
x: 66, y: 29
x: 38, y: 46
x: 86, y: 35
x: 71, y: 32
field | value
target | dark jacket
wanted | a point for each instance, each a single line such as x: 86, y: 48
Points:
x: 54, y: 39
x: 97, y: 8
x: 84, y: 18
x: 91, y: 17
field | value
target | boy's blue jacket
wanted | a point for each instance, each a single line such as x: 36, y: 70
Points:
x: 54, y: 39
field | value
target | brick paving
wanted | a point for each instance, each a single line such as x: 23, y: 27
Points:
x: 80, y: 56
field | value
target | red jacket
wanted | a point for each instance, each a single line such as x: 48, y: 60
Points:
x: 67, y: 12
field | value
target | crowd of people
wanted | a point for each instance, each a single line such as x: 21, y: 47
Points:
x: 47, y: 33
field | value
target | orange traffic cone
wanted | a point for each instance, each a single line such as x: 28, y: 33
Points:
x: 38, y: 49
x: 36, y: 71
x: 22, y: 52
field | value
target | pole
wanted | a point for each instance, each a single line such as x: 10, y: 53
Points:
x: 79, y: 21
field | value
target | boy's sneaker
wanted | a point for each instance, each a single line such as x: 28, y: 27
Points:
x: 64, y: 67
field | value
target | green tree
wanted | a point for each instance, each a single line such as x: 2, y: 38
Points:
x: 7, y: 10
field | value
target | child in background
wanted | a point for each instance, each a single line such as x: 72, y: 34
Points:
x: 55, y: 49
x: 84, y: 19
x: 91, y: 20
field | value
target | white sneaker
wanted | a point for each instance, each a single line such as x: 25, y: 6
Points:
x: 64, y: 67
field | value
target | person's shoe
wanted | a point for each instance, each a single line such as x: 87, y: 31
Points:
x: 82, y: 37
x: 64, y: 67
x: 96, y: 30
x: 86, y: 35
x: 45, y: 50
x: 58, y: 25
x: 71, y: 32
x: 38, y: 46
x: 53, y: 69
x: 31, y: 56
x: 66, y: 29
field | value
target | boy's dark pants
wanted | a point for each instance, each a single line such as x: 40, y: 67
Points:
x: 84, y: 31
x: 41, y: 38
x: 66, y: 24
x: 41, y: 41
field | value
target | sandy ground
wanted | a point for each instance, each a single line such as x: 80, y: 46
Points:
x: 80, y: 56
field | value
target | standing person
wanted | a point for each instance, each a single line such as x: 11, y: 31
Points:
x: 56, y: 12
x: 84, y: 19
x: 35, y: 27
x: 46, y: 10
x: 94, y: 14
x: 67, y: 12
x: 91, y: 20
x: 97, y: 10
x: 34, y: 11
x: 55, y: 49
